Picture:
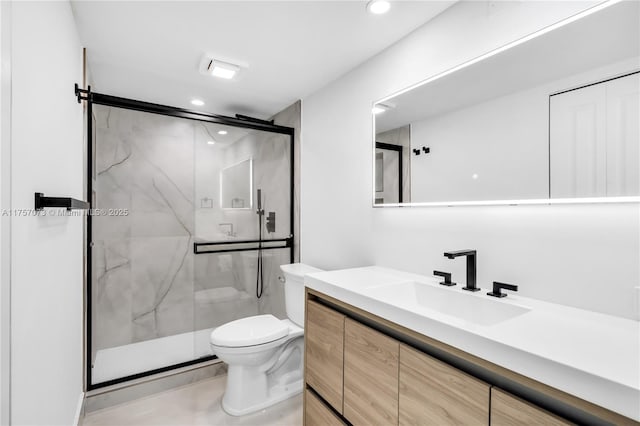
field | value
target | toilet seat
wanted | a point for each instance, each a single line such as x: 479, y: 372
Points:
x: 251, y: 331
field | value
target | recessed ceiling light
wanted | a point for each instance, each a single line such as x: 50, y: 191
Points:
x: 211, y: 142
x: 378, y: 7
x: 197, y: 102
x: 380, y: 108
x: 223, y: 69
x: 222, y: 132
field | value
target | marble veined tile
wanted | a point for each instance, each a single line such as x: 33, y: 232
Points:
x: 112, y: 296
x: 162, y: 270
x: 291, y: 117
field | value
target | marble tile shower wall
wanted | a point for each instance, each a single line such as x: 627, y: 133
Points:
x: 147, y: 283
x: 292, y: 117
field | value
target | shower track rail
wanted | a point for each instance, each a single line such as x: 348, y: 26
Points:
x: 242, y: 245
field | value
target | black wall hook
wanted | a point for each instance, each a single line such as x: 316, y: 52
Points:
x: 416, y: 151
x: 426, y: 149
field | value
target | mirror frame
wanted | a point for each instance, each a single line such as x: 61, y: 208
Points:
x: 515, y: 43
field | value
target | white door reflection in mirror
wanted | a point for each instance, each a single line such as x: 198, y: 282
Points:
x: 594, y: 133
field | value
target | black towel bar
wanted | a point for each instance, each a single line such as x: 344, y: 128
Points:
x: 65, y: 202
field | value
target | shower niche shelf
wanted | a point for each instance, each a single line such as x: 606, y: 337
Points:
x: 63, y: 202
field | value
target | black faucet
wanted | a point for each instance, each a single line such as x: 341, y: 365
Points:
x: 499, y: 286
x: 471, y: 267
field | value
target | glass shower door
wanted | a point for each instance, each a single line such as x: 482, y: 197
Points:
x: 142, y: 308
x: 237, y: 256
x: 177, y: 245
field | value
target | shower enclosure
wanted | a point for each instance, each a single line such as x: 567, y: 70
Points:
x: 180, y: 240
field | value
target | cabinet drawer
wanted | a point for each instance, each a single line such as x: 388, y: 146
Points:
x: 324, y: 346
x: 434, y: 393
x: 370, y: 376
x: 508, y: 410
x: 316, y: 412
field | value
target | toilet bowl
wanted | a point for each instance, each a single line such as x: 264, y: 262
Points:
x: 264, y: 354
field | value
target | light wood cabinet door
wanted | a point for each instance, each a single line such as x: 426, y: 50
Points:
x: 324, y: 346
x: 317, y: 414
x: 370, y: 376
x: 508, y: 410
x: 434, y: 393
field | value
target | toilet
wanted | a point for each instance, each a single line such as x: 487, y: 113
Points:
x: 264, y: 353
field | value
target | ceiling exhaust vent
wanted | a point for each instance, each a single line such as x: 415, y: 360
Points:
x: 221, y: 68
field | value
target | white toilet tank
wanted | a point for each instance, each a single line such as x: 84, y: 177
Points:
x: 294, y: 290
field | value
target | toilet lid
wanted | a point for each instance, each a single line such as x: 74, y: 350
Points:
x: 249, y: 331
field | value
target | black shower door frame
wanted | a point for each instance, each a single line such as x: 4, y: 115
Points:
x: 92, y: 98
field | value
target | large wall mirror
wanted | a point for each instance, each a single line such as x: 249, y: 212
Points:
x: 554, y: 117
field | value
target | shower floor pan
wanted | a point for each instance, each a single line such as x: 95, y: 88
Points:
x: 134, y: 358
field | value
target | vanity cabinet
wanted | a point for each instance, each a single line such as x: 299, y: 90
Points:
x: 316, y: 413
x: 508, y: 410
x: 360, y: 370
x: 434, y: 393
x: 370, y: 375
x: 371, y: 378
x: 324, y: 346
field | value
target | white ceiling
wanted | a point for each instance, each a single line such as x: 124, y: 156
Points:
x: 151, y: 50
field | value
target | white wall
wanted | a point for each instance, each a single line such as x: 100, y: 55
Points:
x: 580, y: 255
x: 5, y: 201
x: 496, y: 150
x: 46, y: 262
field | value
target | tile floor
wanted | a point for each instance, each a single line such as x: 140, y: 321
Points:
x: 193, y: 404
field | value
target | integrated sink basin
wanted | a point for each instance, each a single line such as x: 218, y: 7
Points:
x: 474, y: 308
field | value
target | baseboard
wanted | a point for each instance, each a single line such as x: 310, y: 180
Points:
x: 77, y: 419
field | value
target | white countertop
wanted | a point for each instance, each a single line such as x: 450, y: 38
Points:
x: 593, y: 356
